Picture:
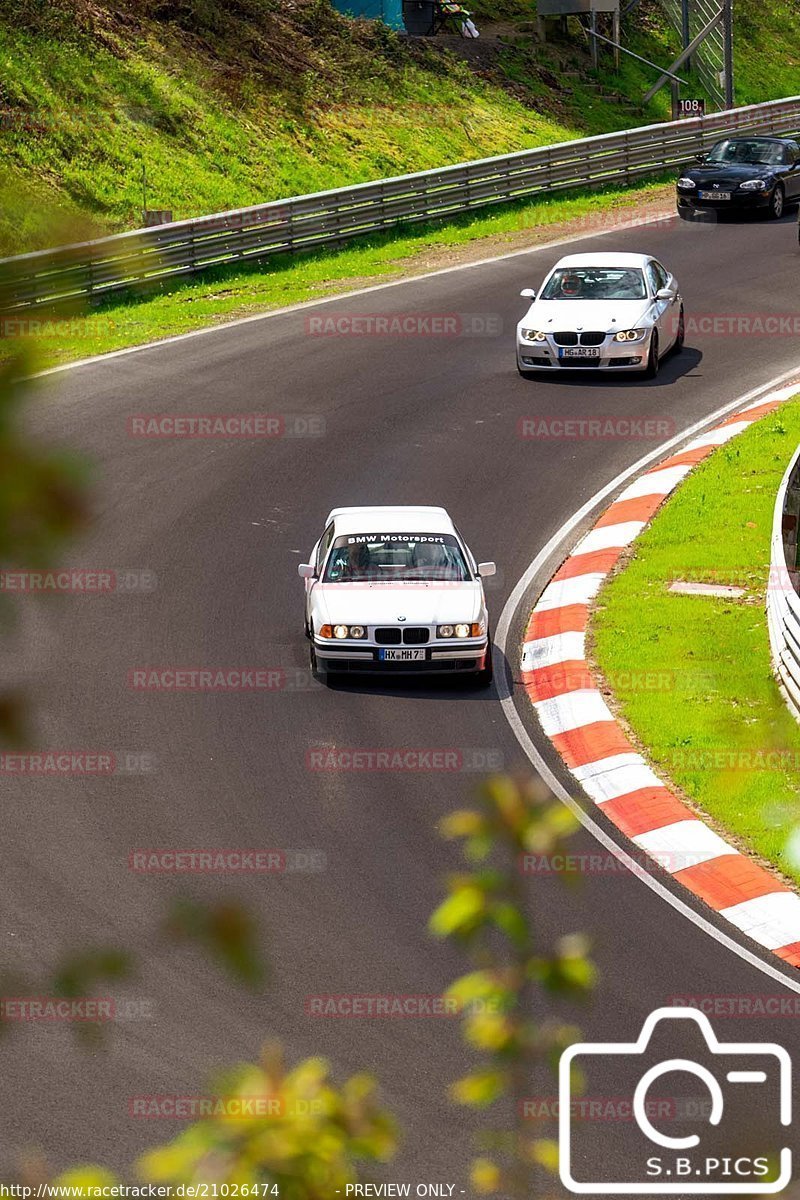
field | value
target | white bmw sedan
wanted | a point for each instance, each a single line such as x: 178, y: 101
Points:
x: 615, y: 312
x: 396, y: 590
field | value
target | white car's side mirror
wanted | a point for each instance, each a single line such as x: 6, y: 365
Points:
x: 665, y: 294
x: 528, y: 294
x: 306, y: 570
x: 486, y: 569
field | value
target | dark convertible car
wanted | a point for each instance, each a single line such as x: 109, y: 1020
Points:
x: 742, y: 173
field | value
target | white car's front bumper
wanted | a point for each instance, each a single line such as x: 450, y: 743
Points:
x: 439, y: 657
x: 609, y: 356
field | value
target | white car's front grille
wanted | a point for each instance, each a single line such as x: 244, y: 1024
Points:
x: 395, y: 635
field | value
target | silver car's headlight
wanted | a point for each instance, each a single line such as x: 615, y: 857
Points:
x: 533, y: 335
x: 754, y: 185
x: 683, y: 182
x: 630, y: 335
x: 348, y: 631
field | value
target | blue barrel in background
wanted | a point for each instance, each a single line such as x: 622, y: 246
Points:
x: 388, y: 11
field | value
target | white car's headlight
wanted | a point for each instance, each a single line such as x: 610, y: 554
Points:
x: 463, y: 629
x: 630, y: 335
x: 683, y: 182
x: 754, y: 185
x: 342, y: 631
x: 533, y: 335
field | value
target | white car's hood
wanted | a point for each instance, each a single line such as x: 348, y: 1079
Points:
x: 551, y: 316
x: 386, y: 603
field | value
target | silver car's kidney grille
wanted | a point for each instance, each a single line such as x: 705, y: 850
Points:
x: 593, y: 338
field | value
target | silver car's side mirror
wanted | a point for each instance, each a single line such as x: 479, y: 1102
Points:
x: 486, y: 569
x: 306, y: 570
x: 528, y: 294
x: 665, y: 294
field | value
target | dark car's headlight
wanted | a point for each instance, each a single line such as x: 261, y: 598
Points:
x: 754, y: 185
x: 630, y: 335
x: 684, y: 182
x: 340, y: 632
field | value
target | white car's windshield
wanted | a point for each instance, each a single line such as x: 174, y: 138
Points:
x: 376, y: 557
x: 595, y: 283
x: 746, y: 150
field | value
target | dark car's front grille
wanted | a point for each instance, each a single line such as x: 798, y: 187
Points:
x: 387, y: 637
x: 565, y: 339
x: 415, y: 637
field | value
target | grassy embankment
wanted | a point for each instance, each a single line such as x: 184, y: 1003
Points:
x: 712, y: 720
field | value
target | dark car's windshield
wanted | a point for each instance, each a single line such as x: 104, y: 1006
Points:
x: 595, y: 283
x: 386, y: 557
x: 746, y: 150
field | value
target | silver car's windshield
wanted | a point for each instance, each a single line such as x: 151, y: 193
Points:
x: 595, y: 283
x: 386, y: 557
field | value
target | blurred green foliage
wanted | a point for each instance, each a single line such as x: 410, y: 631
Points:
x: 487, y: 912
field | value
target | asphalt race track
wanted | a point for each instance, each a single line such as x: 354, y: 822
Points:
x: 223, y: 524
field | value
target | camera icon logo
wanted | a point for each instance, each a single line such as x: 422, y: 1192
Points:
x: 726, y: 1140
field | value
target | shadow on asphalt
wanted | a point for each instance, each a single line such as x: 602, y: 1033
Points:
x: 435, y: 687
x: 673, y: 367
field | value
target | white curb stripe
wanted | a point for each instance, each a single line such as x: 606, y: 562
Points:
x: 578, y: 590
x: 772, y: 920
x: 718, y: 437
x: 610, y: 537
x: 655, y: 483
x: 570, y: 711
x: 620, y: 781
x: 684, y: 844
x: 549, y: 651
x: 603, y: 766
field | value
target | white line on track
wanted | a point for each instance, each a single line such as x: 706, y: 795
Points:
x: 560, y: 540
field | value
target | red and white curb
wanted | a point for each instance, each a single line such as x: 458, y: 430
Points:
x: 574, y: 716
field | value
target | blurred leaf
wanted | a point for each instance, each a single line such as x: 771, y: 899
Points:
x: 227, y: 931
x: 460, y: 912
x: 485, y: 1176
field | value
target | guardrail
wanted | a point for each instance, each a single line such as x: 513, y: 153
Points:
x: 783, y: 602
x: 127, y: 260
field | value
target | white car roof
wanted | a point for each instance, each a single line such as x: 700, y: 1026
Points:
x: 608, y: 259
x: 391, y: 519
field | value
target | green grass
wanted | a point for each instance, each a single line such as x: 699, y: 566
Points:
x: 83, y: 117
x: 712, y: 690
x: 224, y: 294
